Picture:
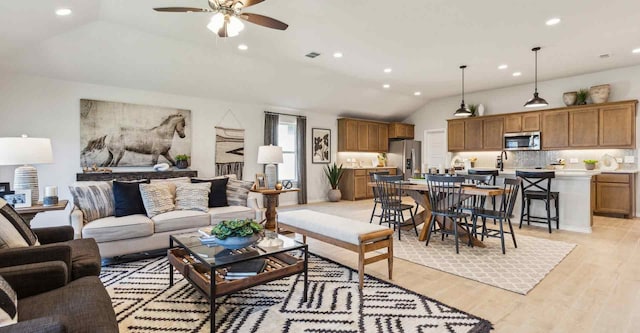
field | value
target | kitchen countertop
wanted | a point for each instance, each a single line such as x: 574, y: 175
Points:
x: 360, y: 168
x: 562, y: 172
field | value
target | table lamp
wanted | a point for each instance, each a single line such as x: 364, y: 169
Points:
x: 25, y: 151
x: 270, y: 155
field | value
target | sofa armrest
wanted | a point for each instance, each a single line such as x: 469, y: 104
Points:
x: 40, y: 325
x: 35, y: 254
x: 76, y: 220
x: 260, y: 213
x: 33, y: 279
x: 54, y: 234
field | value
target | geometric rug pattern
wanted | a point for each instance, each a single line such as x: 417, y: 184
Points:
x: 144, y: 302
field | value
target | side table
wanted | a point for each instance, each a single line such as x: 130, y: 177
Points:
x: 271, y: 197
x: 28, y: 213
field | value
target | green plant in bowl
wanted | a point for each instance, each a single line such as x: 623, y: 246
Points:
x: 182, y: 157
x: 590, y: 164
x: 582, y: 96
x: 236, y: 228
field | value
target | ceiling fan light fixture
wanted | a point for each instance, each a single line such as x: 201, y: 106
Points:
x: 536, y: 101
x: 234, y: 26
x: 216, y: 23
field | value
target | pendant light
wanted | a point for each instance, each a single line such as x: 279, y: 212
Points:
x: 463, y: 111
x: 536, y: 101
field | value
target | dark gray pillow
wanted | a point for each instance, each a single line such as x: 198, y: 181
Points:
x: 127, y: 199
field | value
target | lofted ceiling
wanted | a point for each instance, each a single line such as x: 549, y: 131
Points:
x: 125, y: 43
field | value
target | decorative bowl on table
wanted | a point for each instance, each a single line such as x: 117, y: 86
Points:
x: 234, y: 234
x: 233, y: 243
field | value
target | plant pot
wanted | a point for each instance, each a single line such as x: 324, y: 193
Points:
x: 233, y: 243
x: 182, y: 164
x: 570, y: 98
x: 334, y: 195
x: 589, y: 166
x: 599, y: 94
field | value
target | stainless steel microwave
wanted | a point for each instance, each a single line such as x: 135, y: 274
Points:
x: 522, y: 141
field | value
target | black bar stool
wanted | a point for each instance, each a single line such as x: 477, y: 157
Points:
x: 536, y: 185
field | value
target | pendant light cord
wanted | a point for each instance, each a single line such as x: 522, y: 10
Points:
x: 536, y: 85
x: 463, y: 67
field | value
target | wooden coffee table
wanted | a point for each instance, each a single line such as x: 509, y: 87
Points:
x: 197, y: 263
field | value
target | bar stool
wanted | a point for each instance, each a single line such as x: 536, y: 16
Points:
x: 536, y: 185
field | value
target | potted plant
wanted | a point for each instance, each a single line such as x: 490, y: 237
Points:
x: 473, y: 108
x: 236, y: 234
x: 334, y: 173
x: 182, y: 161
x: 581, y: 98
x: 590, y: 164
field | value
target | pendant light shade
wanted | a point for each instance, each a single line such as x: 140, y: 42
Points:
x: 536, y: 101
x: 463, y: 111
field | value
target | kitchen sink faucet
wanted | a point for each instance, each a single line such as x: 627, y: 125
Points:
x: 500, y: 161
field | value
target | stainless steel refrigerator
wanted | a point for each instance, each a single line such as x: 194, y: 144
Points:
x: 406, y: 155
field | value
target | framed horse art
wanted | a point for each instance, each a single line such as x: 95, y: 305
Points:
x: 116, y: 134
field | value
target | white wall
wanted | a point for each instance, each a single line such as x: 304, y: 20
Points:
x: 42, y: 107
x: 625, y: 85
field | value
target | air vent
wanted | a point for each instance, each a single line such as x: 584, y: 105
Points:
x: 605, y: 55
x: 312, y: 54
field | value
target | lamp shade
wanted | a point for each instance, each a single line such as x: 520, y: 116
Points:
x: 270, y: 155
x: 25, y: 150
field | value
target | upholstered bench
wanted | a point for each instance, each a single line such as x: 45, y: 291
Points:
x: 343, y: 232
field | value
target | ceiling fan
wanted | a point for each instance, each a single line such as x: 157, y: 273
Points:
x: 226, y: 21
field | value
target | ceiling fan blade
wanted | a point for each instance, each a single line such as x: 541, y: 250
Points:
x: 182, y: 10
x: 247, y: 3
x: 264, y: 21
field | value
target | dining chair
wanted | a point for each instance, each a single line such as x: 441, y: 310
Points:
x: 536, y: 185
x: 376, y: 197
x: 390, y: 192
x: 493, y: 173
x: 445, y: 194
x: 509, y: 197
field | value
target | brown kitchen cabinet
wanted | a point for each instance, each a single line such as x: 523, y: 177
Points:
x: 493, y: 133
x: 615, y: 194
x: 455, y: 135
x: 618, y: 126
x: 555, y: 130
x: 473, y: 129
x: 356, y: 135
x: 401, y: 131
x: 583, y: 127
x: 354, y: 183
x: 347, y: 135
x: 526, y: 122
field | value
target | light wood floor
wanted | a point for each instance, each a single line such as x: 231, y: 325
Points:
x: 596, y: 288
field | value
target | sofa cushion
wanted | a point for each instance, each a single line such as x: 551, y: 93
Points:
x: 81, y: 306
x: 8, y: 304
x: 116, y: 228
x: 231, y: 212
x: 192, y: 196
x: 157, y: 198
x: 127, y: 198
x: 218, y: 194
x: 95, y: 199
x: 180, y: 219
x: 85, y: 258
x: 238, y: 191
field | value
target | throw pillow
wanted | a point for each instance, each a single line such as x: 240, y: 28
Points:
x: 192, y: 196
x: 172, y: 183
x: 218, y: 193
x: 127, y: 198
x: 8, y: 304
x: 94, y: 199
x: 14, y: 231
x: 157, y: 198
x: 238, y: 191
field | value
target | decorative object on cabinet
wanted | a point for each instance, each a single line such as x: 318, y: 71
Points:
x: 570, y: 98
x: 536, y: 101
x: 19, y: 199
x: 334, y: 174
x: 590, y: 164
x: 229, y: 150
x: 25, y: 151
x: 182, y: 161
x: 608, y: 163
x: 287, y: 184
x: 161, y: 167
x: 463, y: 111
x: 261, y: 181
x: 270, y: 155
x: 382, y: 160
x: 581, y: 97
x: 321, y: 141
x: 473, y: 108
x: 480, y: 110
x: 599, y: 94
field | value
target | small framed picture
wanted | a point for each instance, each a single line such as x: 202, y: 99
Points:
x: 19, y: 199
x: 5, y: 187
x: 321, y: 149
x: 261, y: 181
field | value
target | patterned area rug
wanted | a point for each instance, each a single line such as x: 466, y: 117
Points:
x: 144, y: 302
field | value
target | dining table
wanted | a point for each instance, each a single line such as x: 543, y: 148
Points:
x: 418, y: 190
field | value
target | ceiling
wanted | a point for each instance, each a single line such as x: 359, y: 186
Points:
x: 125, y: 43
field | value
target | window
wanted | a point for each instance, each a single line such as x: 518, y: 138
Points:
x: 287, y: 140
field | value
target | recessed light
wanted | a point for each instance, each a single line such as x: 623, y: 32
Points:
x: 553, y: 21
x: 337, y: 55
x: 636, y: 50
x: 516, y: 74
x: 388, y: 70
x: 386, y: 86
x: 503, y: 66
x: 243, y: 47
x: 417, y: 93
x: 63, y: 12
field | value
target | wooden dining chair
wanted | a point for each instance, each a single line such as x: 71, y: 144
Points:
x: 376, y: 197
x: 390, y: 193
x: 445, y: 194
x: 509, y: 197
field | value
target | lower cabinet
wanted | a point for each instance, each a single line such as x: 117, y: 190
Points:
x: 615, y: 194
x: 354, y: 183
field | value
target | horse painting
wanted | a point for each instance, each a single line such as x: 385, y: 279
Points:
x: 117, y: 141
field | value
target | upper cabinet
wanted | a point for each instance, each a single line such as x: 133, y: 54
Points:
x: 617, y: 126
x: 401, y: 131
x: 493, y: 133
x: 455, y: 135
x: 583, y: 127
x: 555, y: 130
x: 362, y: 136
x: 527, y: 122
x: 474, y: 134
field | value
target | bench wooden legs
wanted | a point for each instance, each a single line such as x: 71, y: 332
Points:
x: 361, y: 265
